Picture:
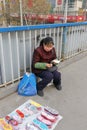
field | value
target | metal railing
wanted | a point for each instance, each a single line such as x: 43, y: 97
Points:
x: 17, y: 45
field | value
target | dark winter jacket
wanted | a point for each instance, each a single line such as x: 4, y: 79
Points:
x: 43, y: 57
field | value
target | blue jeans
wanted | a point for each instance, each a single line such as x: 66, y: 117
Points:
x: 47, y: 77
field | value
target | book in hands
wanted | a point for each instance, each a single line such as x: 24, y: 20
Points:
x: 55, y: 61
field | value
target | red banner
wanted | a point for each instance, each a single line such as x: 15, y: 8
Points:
x: 59, y: 2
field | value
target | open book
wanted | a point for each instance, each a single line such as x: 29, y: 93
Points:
x: 55, y: 61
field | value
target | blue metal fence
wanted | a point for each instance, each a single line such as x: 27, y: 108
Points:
x: 17, y: 45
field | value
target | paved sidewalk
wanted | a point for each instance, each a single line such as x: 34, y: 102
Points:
x: 71, y: 102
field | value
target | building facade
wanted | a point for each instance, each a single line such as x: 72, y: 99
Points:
x: 73, y: 6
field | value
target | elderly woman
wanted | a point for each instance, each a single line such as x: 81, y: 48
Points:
x: 43, y: 67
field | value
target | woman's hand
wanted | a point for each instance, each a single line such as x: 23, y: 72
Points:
x: 48, y: 65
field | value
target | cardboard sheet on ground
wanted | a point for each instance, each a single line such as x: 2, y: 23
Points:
x: 31, y: 115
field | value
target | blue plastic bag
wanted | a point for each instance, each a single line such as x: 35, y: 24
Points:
x: 27, y: 86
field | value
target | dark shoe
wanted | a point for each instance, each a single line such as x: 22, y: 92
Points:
x: 59, y: 87
x: 40, y: 93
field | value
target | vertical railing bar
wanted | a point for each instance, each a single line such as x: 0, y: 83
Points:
x: 70, y: 45
x: 68, y: 39
x: 12, y: 73
x: 85, y: 36
x: 72, y: 38
x: 30, y: 48
x: 76, y: 40
x: 69, y: 42
x: 79, y: 41
x: 45, y: 32
x: 54, y: 35
x: 73, y: 42
x: 35, y: 39
x: 83, y: 39
x: 84, y: 46
x: 50, y: 32
x: 18, y: 55
x: 60, y: 54
x: 3, y: 63
x: 40, y: 36
x: 80, y: 35
x: 24, y: 51
x: 57, y: 42
x: 41, y: 32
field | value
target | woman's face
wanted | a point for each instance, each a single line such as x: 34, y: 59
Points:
x: 48, y: 47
